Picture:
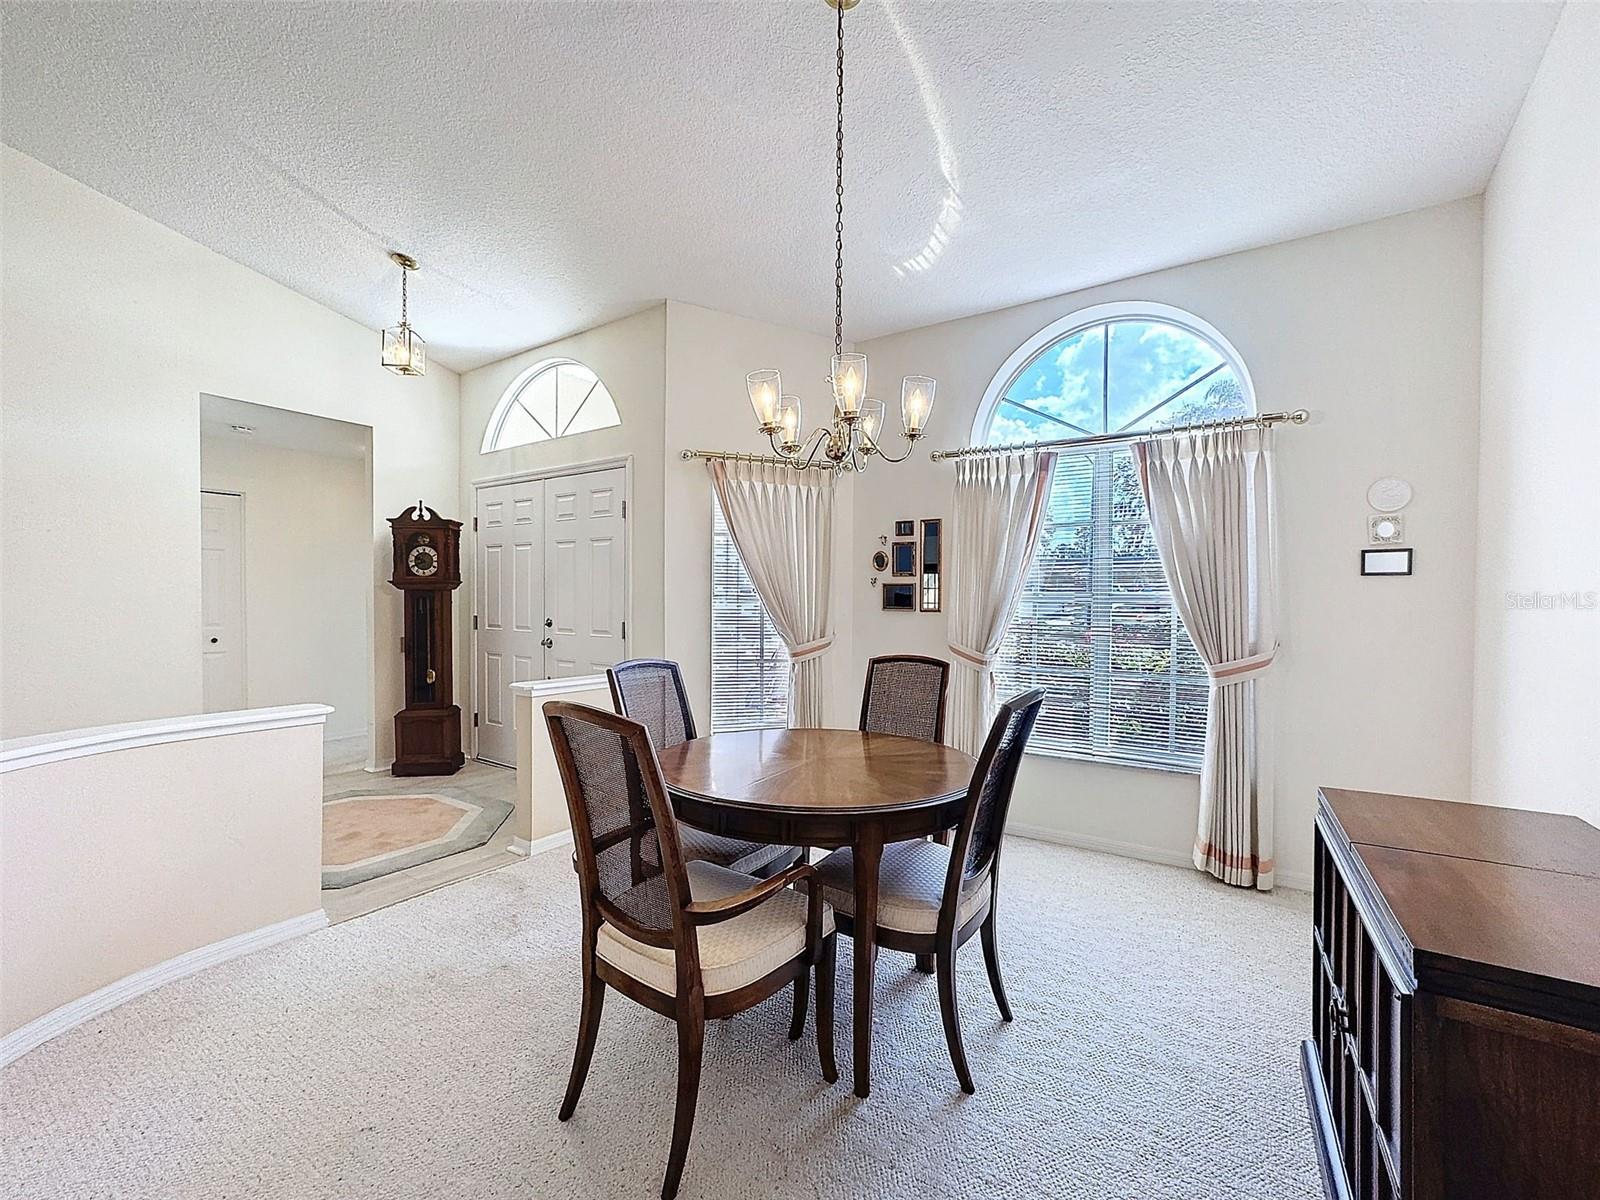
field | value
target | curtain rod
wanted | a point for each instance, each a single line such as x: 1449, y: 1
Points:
x: 770, y: 459
x: 1298, y: 416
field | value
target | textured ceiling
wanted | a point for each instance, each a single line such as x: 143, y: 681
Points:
x: 555, y: 165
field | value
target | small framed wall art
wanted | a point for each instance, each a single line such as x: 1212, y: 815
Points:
x: 903, y: 560
x: 905, y: 529
x: 900, y: 597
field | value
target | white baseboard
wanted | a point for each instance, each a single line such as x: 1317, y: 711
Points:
x: 549, y: 841
x: 379, y: 768
x: 1156, y: 854
x: 40, y: 1030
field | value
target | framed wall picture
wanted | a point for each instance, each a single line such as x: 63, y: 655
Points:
x: 930, y: 599
x: 905, y: 529
x: 900, y: 597
x: 1386, y: 562
x: 880, y: 561
x: 903, y: 559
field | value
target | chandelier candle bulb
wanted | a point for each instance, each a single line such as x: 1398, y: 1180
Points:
x: 765, y: 387
x: 789, y: 424
x: 916, y: 403
x: 871, y: 425
x: 849, y: 383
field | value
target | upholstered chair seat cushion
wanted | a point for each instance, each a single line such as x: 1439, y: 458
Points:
x: 729, y: 852
x: 911, y: 881
x: 732, y: 953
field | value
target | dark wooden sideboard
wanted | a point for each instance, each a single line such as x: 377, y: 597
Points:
x: 1456, y: 1001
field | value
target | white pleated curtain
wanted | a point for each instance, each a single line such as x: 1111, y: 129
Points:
x: 998, y: 511
x: 1210, y: 497
x: 781, y: 522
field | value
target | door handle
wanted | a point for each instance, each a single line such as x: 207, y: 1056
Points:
x: 213, y: 641
x: 548, y: 643
x: 549, y: 623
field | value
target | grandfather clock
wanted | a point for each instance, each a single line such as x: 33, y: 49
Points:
x: 427, y: 568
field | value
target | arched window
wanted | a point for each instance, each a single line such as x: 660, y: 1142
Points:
x: 551, y: 399
x: 1095, y: 626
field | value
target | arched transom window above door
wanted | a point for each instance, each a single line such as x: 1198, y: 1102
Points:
x: 1115, y: 368
x: 551, y: 399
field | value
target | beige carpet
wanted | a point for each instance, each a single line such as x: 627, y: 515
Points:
x: 422, y: 1051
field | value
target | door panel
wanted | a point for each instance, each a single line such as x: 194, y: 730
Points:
x: 552, y: 564
x: 509, y: 602
x: 587, y: 578
x: 222, y: 601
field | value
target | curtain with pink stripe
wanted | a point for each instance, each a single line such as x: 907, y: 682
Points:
x: 999, y: 509
x: 1211, y: 504
x: 781, y: 521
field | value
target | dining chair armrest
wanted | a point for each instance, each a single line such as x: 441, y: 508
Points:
x: 712, y: 912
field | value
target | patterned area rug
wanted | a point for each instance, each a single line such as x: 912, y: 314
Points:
x: 365, y: 836
x: 421, y: 1053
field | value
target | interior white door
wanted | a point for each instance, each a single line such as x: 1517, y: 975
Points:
x: 222, y: 687
x: 586, y: 571
x: 510, y: 607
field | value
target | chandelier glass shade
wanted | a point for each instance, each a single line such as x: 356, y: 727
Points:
x: 854, y: 430
x: 404, y: 351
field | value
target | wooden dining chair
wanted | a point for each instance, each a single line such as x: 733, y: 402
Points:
x: 932, y: 898
x: 650, y: 691
x: 690, y: 940
x: 904, y: 695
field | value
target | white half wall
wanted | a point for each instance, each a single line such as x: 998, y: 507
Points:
x: 133, y: 854
x: 307, y: 578
x: 1536, y: 722
x: 1374, y: 328
x: 113, y: 327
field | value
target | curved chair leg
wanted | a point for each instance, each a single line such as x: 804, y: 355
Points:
x: 691, y: 1039
x: 952, y: 1018
x: 825, y: 971
x: 991, y: 958
x: 594, y: 995
x: 797, y: 1024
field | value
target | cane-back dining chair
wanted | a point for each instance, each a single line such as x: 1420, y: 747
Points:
x: 904, y: 694
x: 690, y: 940
x: 650, y: 691
x: 933, y: 898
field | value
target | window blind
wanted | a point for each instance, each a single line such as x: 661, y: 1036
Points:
x: 1096, y: 628
x: 749, y: 665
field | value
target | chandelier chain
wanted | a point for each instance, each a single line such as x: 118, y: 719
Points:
x: 403, y: 274
x: 838, y: 204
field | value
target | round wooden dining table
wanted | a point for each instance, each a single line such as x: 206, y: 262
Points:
x: 823, y: 787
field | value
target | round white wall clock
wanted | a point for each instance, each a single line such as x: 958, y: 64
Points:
x: 1389, y: 494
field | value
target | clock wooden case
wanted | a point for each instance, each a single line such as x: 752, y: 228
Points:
x: 427, y: 568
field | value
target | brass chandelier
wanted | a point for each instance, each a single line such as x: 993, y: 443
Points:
x: 404, y: 351
x: 853, y: 434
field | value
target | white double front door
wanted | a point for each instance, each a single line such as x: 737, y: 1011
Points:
x: 550, y: 591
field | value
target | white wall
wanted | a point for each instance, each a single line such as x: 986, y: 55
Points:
x: 1536, y: 729
x: 113, y: 326
x: 708, y: 355
x: 629, y: 357
x: 1375, y: 328
x: 307, y: 581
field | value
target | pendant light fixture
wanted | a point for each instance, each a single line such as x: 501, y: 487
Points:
x: 855, y: 428
x: 404, y: 352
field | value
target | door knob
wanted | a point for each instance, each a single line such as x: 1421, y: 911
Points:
x: 548, y: 623
x: 548, y: 643
x: 213, y: 641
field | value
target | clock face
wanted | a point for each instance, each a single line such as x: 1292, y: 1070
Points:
x: 423, y: 560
